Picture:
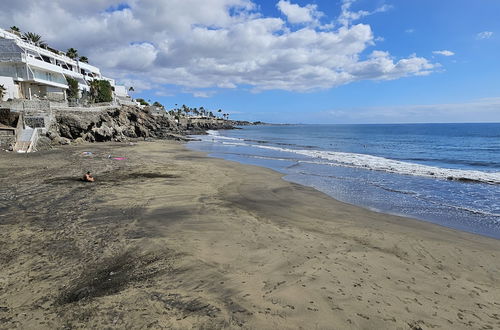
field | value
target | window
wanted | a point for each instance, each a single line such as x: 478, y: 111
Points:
x: 46, y: 59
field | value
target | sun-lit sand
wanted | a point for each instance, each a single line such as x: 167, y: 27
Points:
x: 169, y: 238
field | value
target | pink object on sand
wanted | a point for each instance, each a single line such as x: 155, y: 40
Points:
x: 119, y: 158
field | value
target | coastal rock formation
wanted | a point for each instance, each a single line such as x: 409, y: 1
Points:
x: 127, y: 122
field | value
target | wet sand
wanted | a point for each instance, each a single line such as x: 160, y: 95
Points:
x: 169, y: 238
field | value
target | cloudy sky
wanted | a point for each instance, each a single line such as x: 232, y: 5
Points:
x: 322, y: 61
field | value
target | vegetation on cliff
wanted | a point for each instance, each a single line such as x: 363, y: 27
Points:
x: 101, y: 91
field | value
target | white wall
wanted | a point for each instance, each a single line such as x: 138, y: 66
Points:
x: 12, y: 89
x: 121, y: 91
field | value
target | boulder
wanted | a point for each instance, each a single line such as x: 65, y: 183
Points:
x: 61, y: 140
x: 79, y: 140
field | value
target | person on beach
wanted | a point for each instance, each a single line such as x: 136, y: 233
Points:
x: 87, y: 177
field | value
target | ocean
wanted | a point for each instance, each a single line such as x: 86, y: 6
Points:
x: 447, y: 174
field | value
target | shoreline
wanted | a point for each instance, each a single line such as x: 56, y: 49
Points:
x: 186, y: 240
x: 446, y: 200
x: 365, y: 207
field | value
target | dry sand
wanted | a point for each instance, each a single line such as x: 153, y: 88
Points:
x: 169, y: 238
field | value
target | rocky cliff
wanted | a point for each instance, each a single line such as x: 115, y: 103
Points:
x: 127, y: 122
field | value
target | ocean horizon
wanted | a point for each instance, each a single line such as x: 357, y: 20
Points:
x: 444, y: 173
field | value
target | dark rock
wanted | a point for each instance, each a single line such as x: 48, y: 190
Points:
x: 127, y: 122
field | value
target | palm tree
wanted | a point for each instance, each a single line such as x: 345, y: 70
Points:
x: 94, y: 89
x: 131, y: 89
x: 72, y: 53
x: 83, y: 59
x: 14, y: 28
x: 34, y: 38
x: 2, y: 92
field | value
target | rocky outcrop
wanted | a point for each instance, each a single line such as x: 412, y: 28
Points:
x: 200, y: 126
x: 127, y: 122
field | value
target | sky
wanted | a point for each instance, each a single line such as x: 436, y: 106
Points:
x: 289, y: 61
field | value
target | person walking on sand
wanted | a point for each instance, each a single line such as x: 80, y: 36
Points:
x: 87, y: 177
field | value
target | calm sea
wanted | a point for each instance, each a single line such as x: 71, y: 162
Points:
x: 448, y: 174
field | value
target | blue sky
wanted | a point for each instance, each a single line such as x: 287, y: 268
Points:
x: 323, y: 61
x: 420, y: 27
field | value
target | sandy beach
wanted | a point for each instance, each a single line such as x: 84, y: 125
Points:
x: 170, y: 238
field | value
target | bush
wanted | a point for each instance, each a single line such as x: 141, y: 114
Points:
x: 142, y: 101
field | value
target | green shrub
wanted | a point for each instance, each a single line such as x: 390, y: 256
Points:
x: 142, y: 101
x: 101, y: 91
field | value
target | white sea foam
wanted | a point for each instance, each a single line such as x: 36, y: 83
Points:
x: 376, y: 163
x: 215, y: 135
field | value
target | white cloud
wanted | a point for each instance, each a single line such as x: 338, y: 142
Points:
x: 443, y: 52
x: 482, y: 110
x: 410, y: 30
x: 134, y: 57
x: 484, y: 35
x: 203, y: 94
x: 383, y: 9
x: 348, y: 16
x: 208, y: 44
x: 296, y: 14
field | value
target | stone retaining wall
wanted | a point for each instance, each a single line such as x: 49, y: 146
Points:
x: 35, y: 122
x: 21, y: 105
x: 7, y: 137
x: 85, y: 109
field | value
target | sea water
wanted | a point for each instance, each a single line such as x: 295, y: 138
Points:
x: 448, y: 174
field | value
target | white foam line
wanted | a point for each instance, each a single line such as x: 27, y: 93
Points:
x: 386, y: 165
x: 214, y: 135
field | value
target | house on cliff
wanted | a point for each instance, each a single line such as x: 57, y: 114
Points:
x: 28, y: 71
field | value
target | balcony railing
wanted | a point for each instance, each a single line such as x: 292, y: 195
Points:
x: 48, y: 76
x: 14, y: 71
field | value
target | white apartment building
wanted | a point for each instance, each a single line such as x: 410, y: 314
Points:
x: 31, y: 72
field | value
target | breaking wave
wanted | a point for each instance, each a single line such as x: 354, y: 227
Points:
x: 374, y: 163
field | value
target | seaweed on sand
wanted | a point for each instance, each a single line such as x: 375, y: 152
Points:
x: 113, y: 274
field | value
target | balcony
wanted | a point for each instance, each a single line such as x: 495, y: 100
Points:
x: 49, y: 78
